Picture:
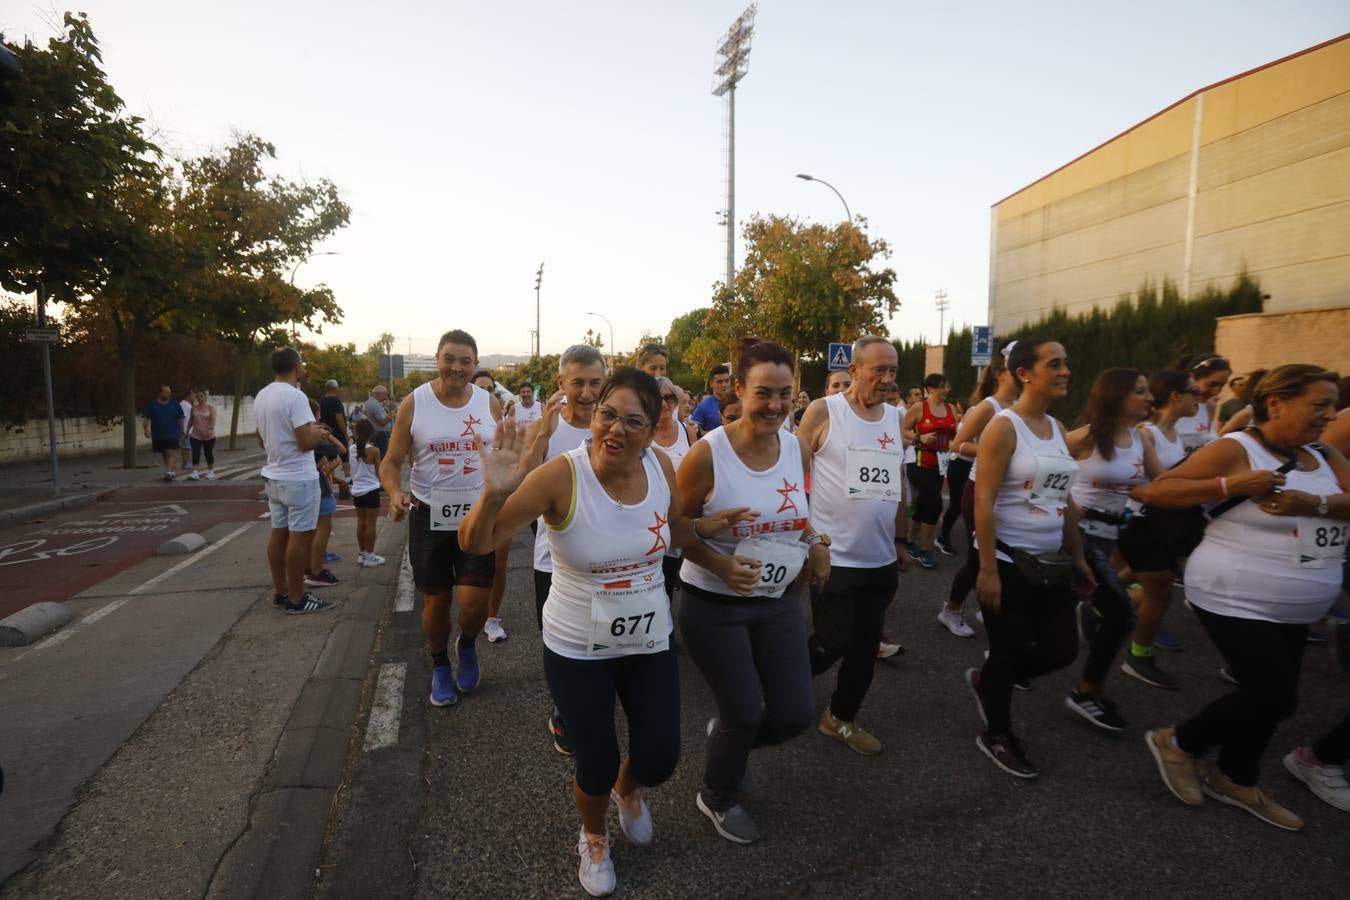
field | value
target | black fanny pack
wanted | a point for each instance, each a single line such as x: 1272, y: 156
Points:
x: 1041, y: 570
x: 1098, y: 515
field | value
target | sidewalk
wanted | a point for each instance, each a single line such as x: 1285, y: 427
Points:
x: 26, y: 487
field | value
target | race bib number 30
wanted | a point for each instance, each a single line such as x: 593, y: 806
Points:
x: 872, y: 474
x: 449, y: 506
x: 1321, y: 544
x: 629, y: 620
x: 780, y: 562
x: 1054, y: 477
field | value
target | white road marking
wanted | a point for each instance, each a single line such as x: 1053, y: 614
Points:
x: 65, y: 634
x: 386, y: 710
x: 403, y: 600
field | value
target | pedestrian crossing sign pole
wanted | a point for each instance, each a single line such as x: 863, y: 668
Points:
x: 839, y: 356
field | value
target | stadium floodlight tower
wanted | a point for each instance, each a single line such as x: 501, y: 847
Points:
x: 733, y: 63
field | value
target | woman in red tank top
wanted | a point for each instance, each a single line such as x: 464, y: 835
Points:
x: 930, y: 426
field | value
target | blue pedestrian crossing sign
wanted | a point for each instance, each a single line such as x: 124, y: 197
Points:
x: 839, y: 356
x: 981, y: 345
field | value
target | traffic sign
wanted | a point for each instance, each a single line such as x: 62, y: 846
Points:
x: 42, y: 335
x: 839, y: 356
x: 982, y: 345
x: 391, y: 366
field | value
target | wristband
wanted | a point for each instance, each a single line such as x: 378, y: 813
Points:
x: 1223, y: 486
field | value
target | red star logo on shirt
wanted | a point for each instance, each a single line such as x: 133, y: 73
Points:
x: 786, y: 490
x: 659, y: 545
x: 468, y: 425
x: 885, y: 440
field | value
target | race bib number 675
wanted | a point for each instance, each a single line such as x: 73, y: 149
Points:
x: 449, y: 506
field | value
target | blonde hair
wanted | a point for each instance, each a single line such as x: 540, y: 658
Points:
x: 1286, y: 382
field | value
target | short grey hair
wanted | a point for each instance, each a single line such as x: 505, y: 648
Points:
x: 582, y: 354
x: 866, y: 340
x: 330, y: 385
x: 664, y: 382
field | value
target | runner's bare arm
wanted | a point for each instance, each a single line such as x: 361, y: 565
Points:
x: 996, y: 449
x: 972, y: 424
x: 815, y: 426
x: 391, y: 468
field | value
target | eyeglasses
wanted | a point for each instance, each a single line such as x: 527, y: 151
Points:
x: 608, y: 417
x: 668, y: 398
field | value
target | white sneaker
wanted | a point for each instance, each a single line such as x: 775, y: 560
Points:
x: 369, y: 559
x: 955, y: 622
x: 1327, y: 782
x: 210, y: 474
x: 596, y: 872
x: 193, y: 476
x: 637, y: 829
x: 495, y: 631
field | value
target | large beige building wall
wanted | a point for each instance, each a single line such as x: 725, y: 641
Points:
x: 1250, y: 173
x: 1267, y: 340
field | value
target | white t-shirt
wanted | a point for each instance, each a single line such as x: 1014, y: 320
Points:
x: 527, y: 415
x: 279, y: 409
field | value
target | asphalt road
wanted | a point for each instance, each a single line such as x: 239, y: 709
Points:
x: 472, y: 801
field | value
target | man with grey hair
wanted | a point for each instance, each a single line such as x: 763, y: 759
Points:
x: 564, y: 426
x: 856, y: 445
x: 379, y: 414
x: 331, y: 411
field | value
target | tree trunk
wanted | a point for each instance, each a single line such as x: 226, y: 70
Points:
x: 238, y: 400
x: 127, y: 347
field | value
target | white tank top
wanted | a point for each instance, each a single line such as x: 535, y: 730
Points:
x: 678, y: 450
x: 1196, y: 431
x: 777, y: 494
x: 565, y: 437
x: 1169, y: 452
x: 1027, y: 516
x: 442, y: 441
x: 862, y: 531
x: 1104, y: 485
x: 527, y: 416
x: 364, y: 479
x: 998, y: 408
x: 601, y: 542
x: 1248, y: 565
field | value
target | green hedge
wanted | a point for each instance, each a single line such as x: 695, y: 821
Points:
x: 1149, y: 331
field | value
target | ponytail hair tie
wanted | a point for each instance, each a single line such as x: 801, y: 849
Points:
x: 1007, y: 351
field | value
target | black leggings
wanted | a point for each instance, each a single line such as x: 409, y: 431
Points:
x: 1266, y: 659
x: 209, y: 447
x: 1033, y: 633
x: 964, y: 580
x: 927, y: 494
x: 1112, y: 603
x: 648, y: 686
x: 847, y: 616
x: 957, y: 473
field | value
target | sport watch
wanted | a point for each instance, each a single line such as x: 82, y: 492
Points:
x: 1323, y: 506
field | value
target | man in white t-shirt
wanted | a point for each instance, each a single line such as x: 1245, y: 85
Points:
x: 289, y: 434
x: 526, y: 410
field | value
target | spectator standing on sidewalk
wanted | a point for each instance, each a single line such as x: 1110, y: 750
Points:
x: 163, y: 425
x: 327, y: 458
x: 332, y: 414
x: 289, y: 434
x: 184, y: 443
x: 201, y: 431
x: 378, y: 414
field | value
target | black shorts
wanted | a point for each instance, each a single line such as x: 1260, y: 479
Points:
x: 368, y: 500
x: 437, y: 562
x: 164, y: 445
x: 1143, y: 549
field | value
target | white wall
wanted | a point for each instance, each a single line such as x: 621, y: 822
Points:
x: 81, y: 436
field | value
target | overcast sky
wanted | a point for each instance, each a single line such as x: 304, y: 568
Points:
x: 474, y: 140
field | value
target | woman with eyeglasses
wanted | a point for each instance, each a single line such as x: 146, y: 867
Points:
x: 1267, y: 568
x: 610, y: 511
x: 930, y: 427
x: 1152, y: 554
x: 741, y: 614
x: 1211, y: 373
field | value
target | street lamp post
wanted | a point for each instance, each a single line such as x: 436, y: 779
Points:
x: 833, y: 188
x: 611, y: 338
x: 295, y: 325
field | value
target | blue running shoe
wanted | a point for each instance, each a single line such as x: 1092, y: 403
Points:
x: 927, y: 559
x: 331, y: 557
x: 1164, y: 640
x: 468, y: 666
x: 443, y: 687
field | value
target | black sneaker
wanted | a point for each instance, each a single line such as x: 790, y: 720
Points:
x: 1097, y: 710
x: 555, y: 730
x: 308, y: 604
x: 1007, y: 753
x: 944, y: 546
x: 279, y: 601
x: 1089, y: 621
x: 913, y: 550
x: 1145, y: 668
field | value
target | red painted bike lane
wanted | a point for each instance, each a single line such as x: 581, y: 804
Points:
x: 56, y: 558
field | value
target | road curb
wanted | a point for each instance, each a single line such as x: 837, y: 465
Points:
x: 33, y: 622
x: 184, y: 543
x: 281, y: 847
x: 21, y: 514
